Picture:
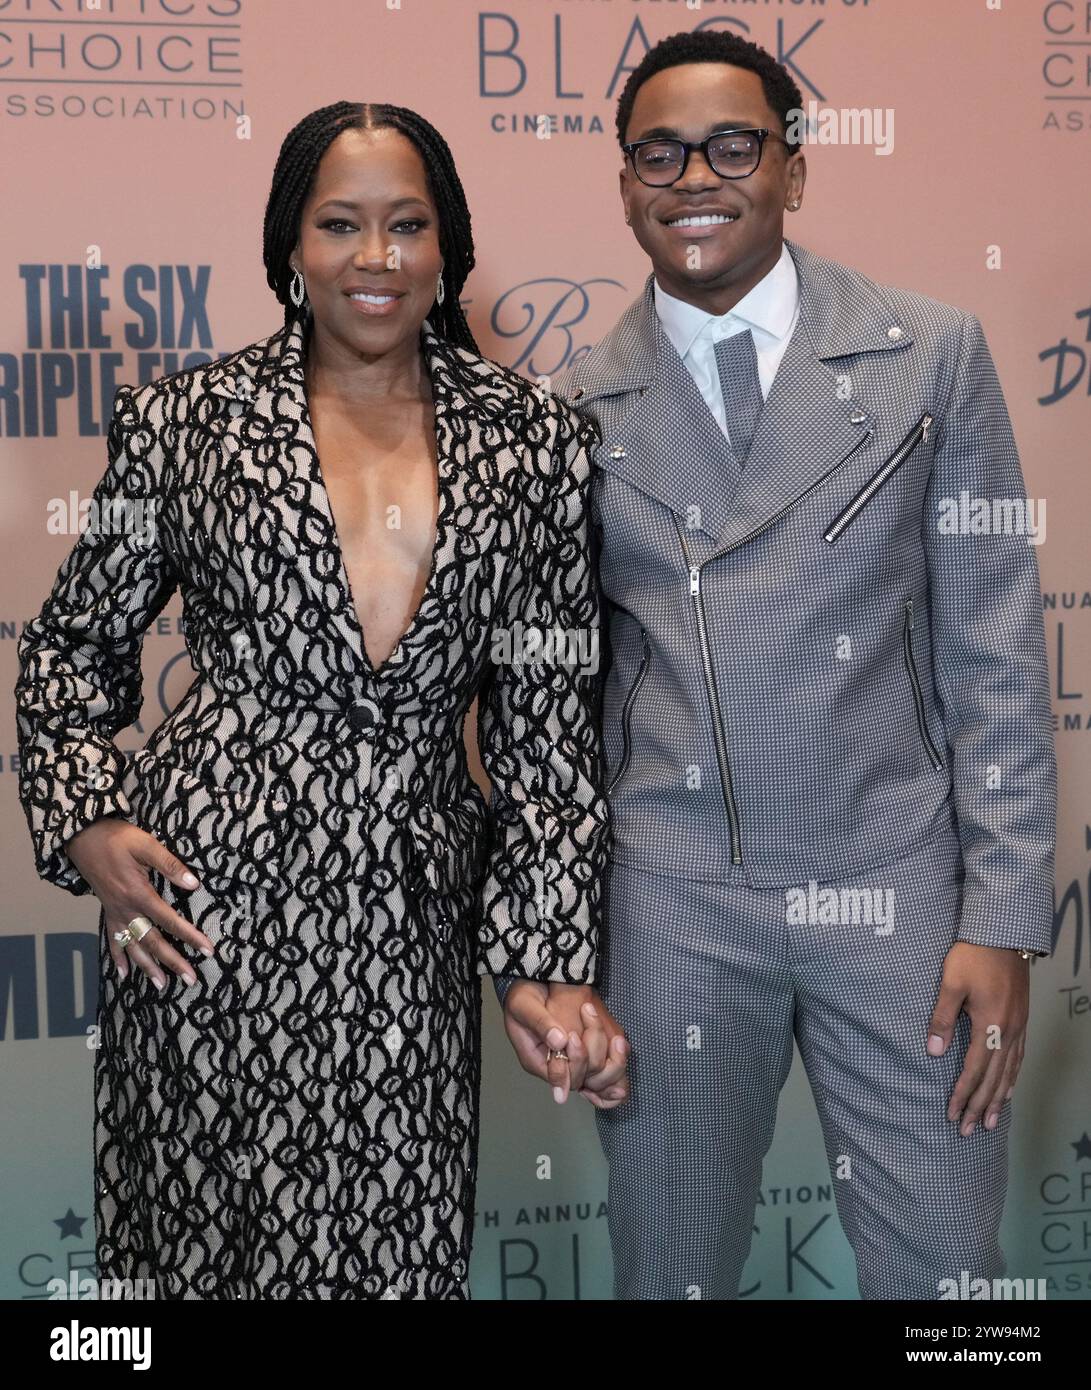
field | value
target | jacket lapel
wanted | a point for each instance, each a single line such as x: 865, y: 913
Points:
x: 285, y: 507
x: 812, y: 419
x: 667, y: 442
x: 664, y: 439
x: 284, y: 499
x: 806, y: 428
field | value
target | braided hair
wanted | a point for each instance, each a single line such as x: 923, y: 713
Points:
x: 293, y: 177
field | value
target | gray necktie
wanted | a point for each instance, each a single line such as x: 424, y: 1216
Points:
x: 737, y: 363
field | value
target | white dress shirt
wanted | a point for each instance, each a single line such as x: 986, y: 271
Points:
x: 770, y: 311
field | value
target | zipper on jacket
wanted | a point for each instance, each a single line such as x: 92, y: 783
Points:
x: 918, y: 694
x: 872, y: 486
x: 788, y: 506
x: 627, y: 710
x: 713, y: 698
x: 698, y: 604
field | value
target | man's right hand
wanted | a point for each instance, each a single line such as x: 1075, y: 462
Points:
x: 114, y: 856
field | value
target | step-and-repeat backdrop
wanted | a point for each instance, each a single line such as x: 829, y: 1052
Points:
x: 138, y: 139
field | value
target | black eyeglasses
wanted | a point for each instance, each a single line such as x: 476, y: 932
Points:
x: 733, y: 154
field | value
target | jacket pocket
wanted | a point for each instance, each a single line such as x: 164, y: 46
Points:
x: 627, y: 712
x: 915, y: 682
x: 446, y: 852
x: 849, y: 513
x: 226, y: 837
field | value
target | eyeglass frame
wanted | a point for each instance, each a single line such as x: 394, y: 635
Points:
x: 688, y: 147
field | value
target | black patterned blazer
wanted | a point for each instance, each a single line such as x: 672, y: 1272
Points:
x: 290, y: 759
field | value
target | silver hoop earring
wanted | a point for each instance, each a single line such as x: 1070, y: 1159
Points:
x: 297, y: 291
x: 441, y: 292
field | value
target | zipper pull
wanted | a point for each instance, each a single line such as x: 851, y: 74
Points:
x: 927, y: 422
x: 694, y: 580
x: 909, y: 612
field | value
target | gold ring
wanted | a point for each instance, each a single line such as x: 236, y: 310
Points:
x: 560, y: 1056
x: 137, y: 930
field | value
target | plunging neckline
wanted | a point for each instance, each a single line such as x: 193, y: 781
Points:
x: 442, y: 483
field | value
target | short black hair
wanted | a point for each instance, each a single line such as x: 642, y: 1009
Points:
x: 293, y: 177
x: 714, y: 46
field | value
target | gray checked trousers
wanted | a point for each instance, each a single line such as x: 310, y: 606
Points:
x: 712, y: 982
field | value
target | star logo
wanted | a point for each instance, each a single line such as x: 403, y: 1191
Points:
x: 72, y: 1225
x: 1083, y: 1146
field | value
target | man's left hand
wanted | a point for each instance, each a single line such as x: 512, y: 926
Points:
x: 993, y: 986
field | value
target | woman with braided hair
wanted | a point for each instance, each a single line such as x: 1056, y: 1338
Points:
x: 300, y: 884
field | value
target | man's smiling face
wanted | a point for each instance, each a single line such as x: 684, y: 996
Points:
x: 714, y: 262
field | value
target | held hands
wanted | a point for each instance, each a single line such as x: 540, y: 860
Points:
x: 114, y: 855
x: 573, y: 1019
x: 993, y: 986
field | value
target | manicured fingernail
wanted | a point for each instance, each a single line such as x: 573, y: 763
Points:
x: 158, y: 983
x: 990, y: 1122
x: 190, y: 880
x: 574, y: 1039
x: 592, y: 1010
x: 935, y: 1045
x: 189, y: 979
x: 967, y: 1129
x: 123, y: 973
x: 558, y: 1094
x: 1011, y: 1092
x: 206, y: 950
x: 556, y: 1038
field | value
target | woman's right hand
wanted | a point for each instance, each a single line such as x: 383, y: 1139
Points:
x: 114, y: 856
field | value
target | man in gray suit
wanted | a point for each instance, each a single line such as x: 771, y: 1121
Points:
x: 827, y: 720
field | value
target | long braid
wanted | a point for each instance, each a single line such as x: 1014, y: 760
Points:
x: 297, y: 163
